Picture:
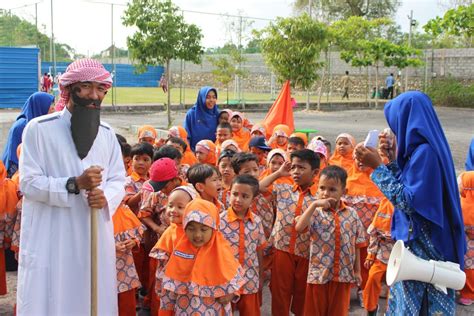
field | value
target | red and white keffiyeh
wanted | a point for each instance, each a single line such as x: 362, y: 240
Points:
x: 81, y: 70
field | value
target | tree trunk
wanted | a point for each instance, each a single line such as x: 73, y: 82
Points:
x: 322, y: 82
x: 227, y: 88
x: 376, y: 85
x: 307, y: 99
x: 168, y: 106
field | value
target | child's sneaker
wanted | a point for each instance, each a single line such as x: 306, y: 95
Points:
x: 465, y: 301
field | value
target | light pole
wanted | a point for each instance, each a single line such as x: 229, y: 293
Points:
x: 412, y: 23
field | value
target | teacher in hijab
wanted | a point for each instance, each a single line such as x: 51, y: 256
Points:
x: 201, y: 119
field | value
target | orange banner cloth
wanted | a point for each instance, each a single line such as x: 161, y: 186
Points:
x: 281, y: 112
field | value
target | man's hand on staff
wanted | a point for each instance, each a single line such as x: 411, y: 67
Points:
x: 96, y: 198
x: 91, y: 178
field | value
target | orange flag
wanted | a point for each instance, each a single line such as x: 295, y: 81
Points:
x: 281, y: 111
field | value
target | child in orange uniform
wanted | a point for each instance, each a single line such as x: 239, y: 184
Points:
x: 244, y: 231
x: 206, y: 180
x: 240, y: 134
x: 378, y: 253
x: 202, y: 276
x: 188, y: 157
x: 291, y: 248
x: 128, y: 231
x: 466, y: 189
x: 336, y: 236
x: 280, y: 136
x: 206, y: 152
x: 227, y: 175
x: 342, y: 157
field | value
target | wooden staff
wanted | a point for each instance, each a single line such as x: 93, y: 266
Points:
x: 94, y: 267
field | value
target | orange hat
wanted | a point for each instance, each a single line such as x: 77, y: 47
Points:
x: 467, y: 197
x: 209, y: 147
x: 147, y: 131
x: 302, y: 136
x: 210, y: 269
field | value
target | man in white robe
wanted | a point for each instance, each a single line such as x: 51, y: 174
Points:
x: 59, y: 188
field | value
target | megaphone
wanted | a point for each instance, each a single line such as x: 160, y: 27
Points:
x: 403, y: 265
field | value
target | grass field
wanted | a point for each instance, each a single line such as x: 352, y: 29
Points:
x: 140, y: 95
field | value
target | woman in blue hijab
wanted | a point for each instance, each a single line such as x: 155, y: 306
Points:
x: 421, y: 184
x: 470, y: 157
x: 38, y: 104
x: 201, y: 119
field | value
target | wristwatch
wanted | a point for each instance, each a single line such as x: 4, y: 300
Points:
x: 71, y: 185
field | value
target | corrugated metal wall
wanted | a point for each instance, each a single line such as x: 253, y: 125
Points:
x: 19, y: 76
x: 124, y: 77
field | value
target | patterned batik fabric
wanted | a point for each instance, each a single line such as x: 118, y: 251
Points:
x: 194, y: 299
x: 133, y: 185
x: 246, y: 237
x: 365, y: 206
x: 162, y: 258
x: 380, y: 244
x: 127, y: 277
x: 154, y: 206
x: 7, y: 224
x: 291, y: 202
x: 263, y: 207
x: 469, y: 257
x: 16, y: 228
x: 335, y: 235
x: 224, y: 198
x: 406, y: 296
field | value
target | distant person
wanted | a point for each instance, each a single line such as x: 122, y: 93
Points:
x: 164, y: 83
x: 46, y: 83
x: 398, y: 85
x: 346, y: 81
x: 38, y: 104
x: 390, y: 82
x: 201, y: 119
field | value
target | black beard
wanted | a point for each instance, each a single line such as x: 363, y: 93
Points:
x: 85, y: 123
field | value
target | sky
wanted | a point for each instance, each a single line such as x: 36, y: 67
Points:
x: 86, y: 24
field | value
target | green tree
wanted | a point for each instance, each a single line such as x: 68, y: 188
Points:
x: 292, y: 47
x: 226, y: 70
x: 162, y: 35
x: 458, y: 22
x: 363, y: 44
x: 15, y: 31
x: 333, y: 10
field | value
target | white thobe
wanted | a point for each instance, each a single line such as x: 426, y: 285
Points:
x: 54, y: 274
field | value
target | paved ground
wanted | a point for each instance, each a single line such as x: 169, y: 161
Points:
x: 458, y: 125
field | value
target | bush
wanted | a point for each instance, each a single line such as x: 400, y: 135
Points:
x: 451, y: 93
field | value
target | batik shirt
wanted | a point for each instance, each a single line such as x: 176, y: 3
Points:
x: 335, y: 235
x: 291, y: 202
x: 127, y: 277
x: 246, y: 237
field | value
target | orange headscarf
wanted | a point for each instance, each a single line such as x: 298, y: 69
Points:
x: 8, y: 192
x: 345, y: 161
x: 280, y: 130
x: 212, y: 265
x: 147, y: 131
x: 383, y: 217
x: 267, y: 171
x: 180, y: 132
x: 467, y: 197
x: 359, y: 183
x: 125, y: 220
x: 242, y: 136
x: 16, y: 175
x: 211, y: 148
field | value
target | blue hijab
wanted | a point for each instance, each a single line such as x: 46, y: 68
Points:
x: 38, y: 104
x: 201, y: 122
x: 470, y: 157
x: 427, y: 172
